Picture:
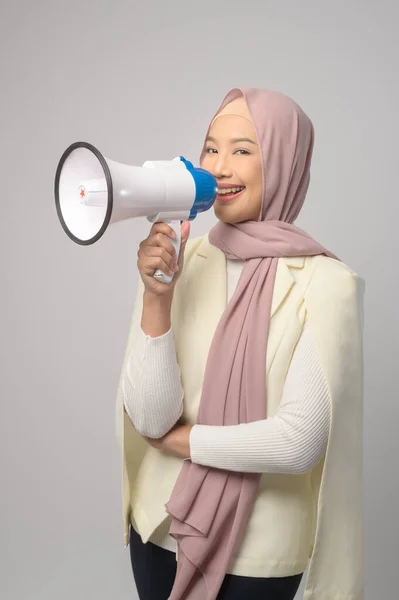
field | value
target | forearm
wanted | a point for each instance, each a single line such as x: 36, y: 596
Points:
x: 269, y: 446
x: 291, y: 442
x: 153, y: 393
x: 156, y: 317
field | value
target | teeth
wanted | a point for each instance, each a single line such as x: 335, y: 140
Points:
x: 230, y: 190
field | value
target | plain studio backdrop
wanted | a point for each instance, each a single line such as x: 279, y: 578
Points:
x: 141, y: 81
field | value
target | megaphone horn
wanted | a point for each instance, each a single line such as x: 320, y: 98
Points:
x: 93, y: 192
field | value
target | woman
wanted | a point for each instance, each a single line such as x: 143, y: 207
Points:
x: 257, y: 493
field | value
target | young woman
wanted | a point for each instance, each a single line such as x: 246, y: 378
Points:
x: 240, y: 399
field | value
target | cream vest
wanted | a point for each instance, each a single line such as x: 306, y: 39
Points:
x: 316, y: 515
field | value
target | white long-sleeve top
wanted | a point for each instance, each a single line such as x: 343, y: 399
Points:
x: 291, y: 441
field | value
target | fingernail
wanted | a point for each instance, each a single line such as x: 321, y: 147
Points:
x: 174, y: 235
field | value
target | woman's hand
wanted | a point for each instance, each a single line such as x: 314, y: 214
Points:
x: 157, y: 252
x: 176, y: 441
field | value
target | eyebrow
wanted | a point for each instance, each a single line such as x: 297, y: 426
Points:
x: 234, y: 140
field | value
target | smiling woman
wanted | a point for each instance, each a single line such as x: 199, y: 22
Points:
x: 231, y: 153
x: 252, y: 356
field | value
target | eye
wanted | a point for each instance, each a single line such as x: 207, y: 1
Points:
x: 242, y: 151
x: 210, y: 150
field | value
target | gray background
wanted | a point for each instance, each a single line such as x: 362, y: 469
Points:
x: 141, y: 81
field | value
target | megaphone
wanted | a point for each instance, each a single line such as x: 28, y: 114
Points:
x: 93, y: 192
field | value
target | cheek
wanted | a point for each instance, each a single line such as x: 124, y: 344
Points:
x: 206, y: 162
x: 255, y: 177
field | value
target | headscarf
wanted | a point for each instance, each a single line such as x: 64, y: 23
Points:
x: 210, y: 507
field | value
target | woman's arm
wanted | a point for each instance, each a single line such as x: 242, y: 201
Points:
x: 292, y: 441
x: 152, y: 390
x: 155, y: 318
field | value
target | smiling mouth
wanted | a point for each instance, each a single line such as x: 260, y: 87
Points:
x: 229, y: 194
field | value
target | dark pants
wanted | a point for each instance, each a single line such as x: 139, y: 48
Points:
x: 154, y: 570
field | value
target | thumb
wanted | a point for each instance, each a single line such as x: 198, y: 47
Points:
x: 185, y: 232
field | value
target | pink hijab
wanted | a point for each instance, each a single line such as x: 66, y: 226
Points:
x: 210, y: 507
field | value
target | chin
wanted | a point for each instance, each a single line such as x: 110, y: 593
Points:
x: 226, y: 216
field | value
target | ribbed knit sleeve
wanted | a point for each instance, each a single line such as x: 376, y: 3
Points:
x: 153, y: 393
x: 291, y: 441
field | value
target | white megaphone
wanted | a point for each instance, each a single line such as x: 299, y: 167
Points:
x: 93, y: 192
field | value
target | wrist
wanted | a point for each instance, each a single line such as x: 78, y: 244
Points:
x: 153, y: 297
x: 156, y: 317
x: 178, y: 441
x: 160, y: 301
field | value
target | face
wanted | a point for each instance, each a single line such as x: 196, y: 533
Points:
x: 233, y: 157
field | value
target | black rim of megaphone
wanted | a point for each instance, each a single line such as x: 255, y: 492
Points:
x: 108, y: 178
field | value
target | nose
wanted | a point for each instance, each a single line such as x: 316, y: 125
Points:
x: 220, y: 167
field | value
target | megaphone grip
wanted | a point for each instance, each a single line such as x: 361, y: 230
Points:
x: 176, y: 226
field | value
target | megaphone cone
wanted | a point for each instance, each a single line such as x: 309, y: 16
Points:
x: 93, y: 192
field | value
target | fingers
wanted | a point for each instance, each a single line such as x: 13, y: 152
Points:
x: 152, y: 258
x: 158, y: 240
x: 162, y: 228
x: 157, y: 250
